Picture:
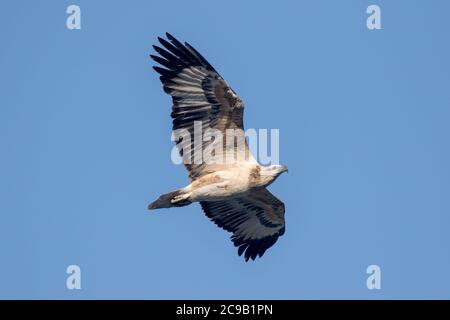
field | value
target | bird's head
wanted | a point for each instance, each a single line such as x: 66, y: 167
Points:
x: 272, y: 172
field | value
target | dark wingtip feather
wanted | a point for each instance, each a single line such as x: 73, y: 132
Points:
x: 180, y: 55
x: 169, y: 36
x: 241, y: 250
x: 200, y: 57
x: 254, y: 248
x: 163, y: 72
x: 166, y: 63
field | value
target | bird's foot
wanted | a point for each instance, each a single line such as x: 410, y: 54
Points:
x: 180, y: 197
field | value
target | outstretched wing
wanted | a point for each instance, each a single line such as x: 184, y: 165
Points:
x: 256, y: 220
x: 199, y: 93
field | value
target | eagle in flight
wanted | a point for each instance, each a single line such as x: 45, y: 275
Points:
x: 232, y: 194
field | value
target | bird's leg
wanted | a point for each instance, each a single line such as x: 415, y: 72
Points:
x: 180, y: 197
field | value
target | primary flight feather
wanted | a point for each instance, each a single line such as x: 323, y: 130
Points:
x: 233, y: 193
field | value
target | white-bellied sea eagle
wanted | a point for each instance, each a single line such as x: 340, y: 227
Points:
x: 231, y: 192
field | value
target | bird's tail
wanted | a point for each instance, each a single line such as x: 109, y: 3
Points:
x: 178, y: 198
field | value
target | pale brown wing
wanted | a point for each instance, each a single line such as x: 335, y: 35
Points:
x: 199, y: 93
x: 256, y: 220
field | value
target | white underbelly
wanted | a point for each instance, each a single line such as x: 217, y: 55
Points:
x: 218, y: 191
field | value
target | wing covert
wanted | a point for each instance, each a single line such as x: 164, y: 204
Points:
x: 256, y: 220
x: 200, y: 95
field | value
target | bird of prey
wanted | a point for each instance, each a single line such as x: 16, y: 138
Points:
x: 232, y: 194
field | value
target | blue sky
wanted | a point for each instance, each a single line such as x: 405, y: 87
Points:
x: 364, y: 129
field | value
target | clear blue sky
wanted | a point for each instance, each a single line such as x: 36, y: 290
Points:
x: 364, y: 128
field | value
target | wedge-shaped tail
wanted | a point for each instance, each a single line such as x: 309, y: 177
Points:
x: 178, y: 198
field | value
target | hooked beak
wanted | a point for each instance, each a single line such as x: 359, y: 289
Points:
x: 285, y: 169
